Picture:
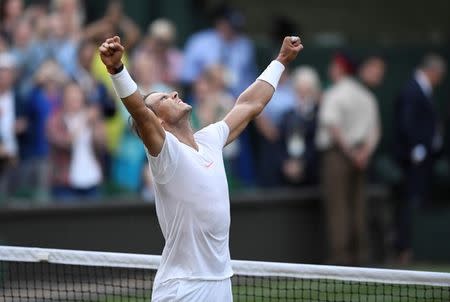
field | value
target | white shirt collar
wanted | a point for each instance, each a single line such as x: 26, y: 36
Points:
x: 424, y: 83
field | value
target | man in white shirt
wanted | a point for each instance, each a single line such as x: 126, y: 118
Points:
x: 191, y: 189
x: 348, y: 132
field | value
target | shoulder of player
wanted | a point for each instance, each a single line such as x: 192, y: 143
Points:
x: 170, y: 141
x: 205, y: 131
x: 211, y: 134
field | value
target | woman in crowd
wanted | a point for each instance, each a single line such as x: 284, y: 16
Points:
x: 44, y: 99
x: 298, y: 129
x: 77, y: 138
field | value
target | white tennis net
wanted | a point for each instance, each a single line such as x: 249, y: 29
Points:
x: 34, y: 274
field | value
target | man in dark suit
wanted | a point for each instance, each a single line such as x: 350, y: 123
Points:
x: 417, y: 141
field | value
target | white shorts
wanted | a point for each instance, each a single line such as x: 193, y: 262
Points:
x: 179, y: 290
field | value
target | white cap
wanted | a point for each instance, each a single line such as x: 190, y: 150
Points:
x: 7, y: 61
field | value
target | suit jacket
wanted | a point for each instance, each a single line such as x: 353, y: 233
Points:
x: 415, y: 122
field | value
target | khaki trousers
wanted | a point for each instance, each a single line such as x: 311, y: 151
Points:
x: 345, y: 209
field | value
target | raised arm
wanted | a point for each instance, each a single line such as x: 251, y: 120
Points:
x: 253, y: 100
x: 147, y: 123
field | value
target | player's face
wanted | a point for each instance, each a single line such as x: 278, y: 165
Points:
x: 168, y: 106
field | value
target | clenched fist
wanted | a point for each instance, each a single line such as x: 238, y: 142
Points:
x: 111, y: 52
x: 289, y: 50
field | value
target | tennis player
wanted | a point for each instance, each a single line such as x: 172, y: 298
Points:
x: 191, y: 187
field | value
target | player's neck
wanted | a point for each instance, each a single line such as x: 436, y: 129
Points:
x: 183, y: 131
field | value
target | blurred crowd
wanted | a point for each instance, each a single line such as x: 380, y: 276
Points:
x: 64, y: 135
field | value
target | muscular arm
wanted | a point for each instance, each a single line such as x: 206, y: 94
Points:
x: 249, y: 105
x: 147, y: 123
x: 253, y: 100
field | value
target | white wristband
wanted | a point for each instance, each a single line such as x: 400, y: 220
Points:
x: 272, y: 73
x: 123, y: 83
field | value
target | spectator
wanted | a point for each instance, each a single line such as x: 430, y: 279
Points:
x: 348, y: 133
x: 417, y: 141
x: 22, y: 48
x: 76, y: 136
x: 10, y: 13
x: 11, y: 123
x: 145, y: 71
x: 159, y: 44
x: 226, y: 45
x: 114, y: 22
x: 371, y: 74
x: 72, y: 16
x: 36, y: 10
x: 52, y: 41
x: 268, y: 125
x: 62, y: 43
x: 371, y: 71
x: 300, y: 160
x: 21, y: 43
x: 44, y: 99
x: 212, y: 102
x: 96, y: 93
